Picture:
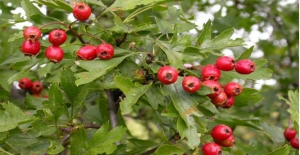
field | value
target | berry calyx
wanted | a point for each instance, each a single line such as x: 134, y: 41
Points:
x: 221, y: 132
x: 57, y: 37
x: 211, y: 149
x: 30, y: 48
x: 37, y: 87
x: 215, y: 86
x: 81, y: 11
x: 87, y: 52
x: 245, y: 66
x: 32, y: 33
x: 25, y: 83
x: 289, y: 133
x: 105, y: 51
x: 211, y: 72
x: 233, y: 88
x: 54, y: 53
x: 191, y: 84
x: 227, y: 142
x: 229, y: 103
x: 167, y: 75
x: 295, y: 143
x: 225, y: 63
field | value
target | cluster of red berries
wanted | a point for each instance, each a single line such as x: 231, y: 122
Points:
x: 210, y: 75
x: 222, y: 136
x: 104, y: 51
x: 34, y: 87
x: 290, y: 135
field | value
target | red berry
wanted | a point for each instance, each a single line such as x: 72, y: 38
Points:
x: 32, y: 33
x: 30, y: 48
x: 220, y: 99
x: 87, y: 52
x: 229, y: 103
x: 82, y: 11
x: 225, y: 63
x: 211, y: 149
x: 37, y: 87
x: 57, y: 37
x: 295, y: 143
x: 105, y: 51
x: 211, y: 72
x: 233, y: 88
x: 289, y: 133
x: 25, y: 83
x: 215, y: 87
x: 54, y: 53
x: 227, y: 142
x: 245, y: 66
x: 191, y: 84
x: 221, y: 132
x: 167, y: 75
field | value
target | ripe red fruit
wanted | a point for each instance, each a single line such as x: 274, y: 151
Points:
x: 227, y: 142
x: 245, y: 66
x: 221, y: 132
x: 87, y: 52
x: 191, y: 84
x: 32, y: 33
x: 289, y: 133
x: 211, y: 72
x: 105, y: 51
x: 37, y: 87
x: 82, y: 11
x: 219, y: 100
x: 54, y: 53
x: 215, y: 87
x: 25, y: 83
x: 229, y: 103
x: 167, y: 75
x: 211, y: 149
x: 57, y: 37
x: 295, y: 143
x: 30, y: 48
x: 225, y: 63
x: 233, y: 88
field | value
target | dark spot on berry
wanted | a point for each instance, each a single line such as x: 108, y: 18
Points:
x: 32, y: 36
x: 227, y: 131
x: 57, y: 34
x: 237, y: 90
x: 211, y: 78
x: 215, y: 89
x: 169, y: 76
x: 191, y: 85
x: 104, y: 53
x: 219, y: 152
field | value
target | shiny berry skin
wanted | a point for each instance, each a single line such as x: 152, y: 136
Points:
x: 30, y: 48
x: 54, y: 53
x: 225, y: 63
x: 295, y: 143
x: 37, y: 87
x: 227, y: 142
x: 221, y: 132
x: 167, y: 75
x: 87, y: 52
x: 191, y: 84
x: 25, y: 83
x: 32, y: 33
x: 289, y: 133
x: 229, y: 103
x: 211, y: 149
x: 245, y: 66
x: 105, y: 51
x: 215, y: 87
x: 57, y: 37
x: 233, y: 88
x: 211, y: 72
x: 219, y: 100
x: 82, y: 11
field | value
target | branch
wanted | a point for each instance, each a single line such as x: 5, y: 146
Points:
x: 75, y: 33
x: 113, y: 109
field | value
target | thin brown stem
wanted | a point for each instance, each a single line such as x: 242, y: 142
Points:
x: 120, y: 41
x: 75, y: 33
x: 52, y: 23
x: 103, y: 41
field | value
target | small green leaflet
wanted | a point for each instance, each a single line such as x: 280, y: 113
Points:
x: 284, y: 150
x: 190, y: 133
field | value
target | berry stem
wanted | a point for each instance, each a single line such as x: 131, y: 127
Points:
x: 103, y: 41
x: 75, y: 33
x: 52, y: 23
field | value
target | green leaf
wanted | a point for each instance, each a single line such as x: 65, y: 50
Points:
x: 284, y: 150
x: 205, y: 35
x: 272, y: 132
x: 96, y: 69
x: 16, y: 36
x: 12, y: 116
x: 247, y: 96
x: 129, y: 4
x: 193, y: 54
x: 168, y: 149
x: 55, y: 95
x: 103, y: 140
x: 78, y: 141
x: 190, y: 133
x: 175, y: 58
x: 142, y: 145
x: 246, y: 54
x: 55, y: 147
x: 164, y: 26
x: 67, y: 84
x: 155, y: 97
x: 132, y: 92
x: 41, y: 129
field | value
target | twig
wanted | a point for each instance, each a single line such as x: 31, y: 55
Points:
x: 75, y: 33
x: 119, y: 42
x: 113, y: 109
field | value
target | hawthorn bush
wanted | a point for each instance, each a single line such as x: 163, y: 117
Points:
x: 114, y: 82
